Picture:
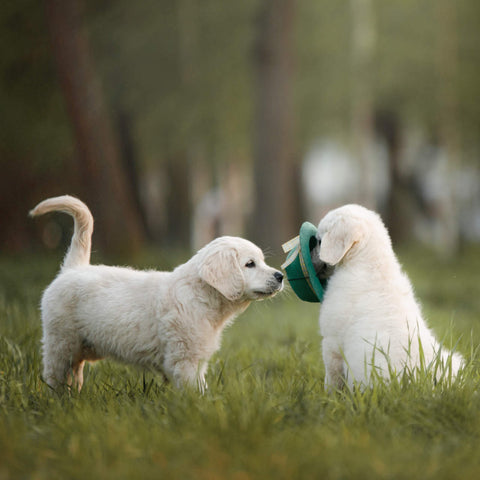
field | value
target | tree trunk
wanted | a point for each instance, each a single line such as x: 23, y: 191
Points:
x: 363, y: 43
x: 447, y: 60
x: 400, y: 202
x: 105, y: 182
x: 178, y: 201
x: 275, y: 216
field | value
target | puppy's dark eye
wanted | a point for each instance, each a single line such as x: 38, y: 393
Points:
x: 250, y: 264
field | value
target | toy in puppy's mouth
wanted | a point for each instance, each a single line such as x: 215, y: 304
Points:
x: 306, y: 273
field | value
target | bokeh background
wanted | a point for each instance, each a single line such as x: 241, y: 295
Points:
x: 180, y: 120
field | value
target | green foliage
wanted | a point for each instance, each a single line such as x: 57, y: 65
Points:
x: 265, y: 415
x: 406, y: 69
x: 183, y: 69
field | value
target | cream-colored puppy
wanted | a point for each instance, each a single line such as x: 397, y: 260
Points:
x: 369, y: 318
x: 166, y: 321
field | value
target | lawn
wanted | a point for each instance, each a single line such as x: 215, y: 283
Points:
x: 265, y: 414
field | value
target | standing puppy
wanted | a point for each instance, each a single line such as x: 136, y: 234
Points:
x: 167, y: 321
x: 369, y: 317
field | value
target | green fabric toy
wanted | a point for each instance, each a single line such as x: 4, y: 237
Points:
x: 299, y: 267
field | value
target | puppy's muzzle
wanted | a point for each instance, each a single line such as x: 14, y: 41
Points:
x: 322, y: 269
x: 274, y: 285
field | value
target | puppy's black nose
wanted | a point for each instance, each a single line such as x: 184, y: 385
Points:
x: 278, y: 276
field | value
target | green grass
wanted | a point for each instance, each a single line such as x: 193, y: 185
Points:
x: 265, y: 415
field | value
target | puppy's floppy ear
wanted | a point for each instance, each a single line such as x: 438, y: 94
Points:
x: 222, y: 271
x: 338, y: 240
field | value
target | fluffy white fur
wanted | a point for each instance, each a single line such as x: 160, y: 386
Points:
x: 166, y: 321
x: 369, y: 318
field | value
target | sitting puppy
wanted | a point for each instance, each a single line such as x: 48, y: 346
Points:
x: 167, y: 321
x: 369, y: 317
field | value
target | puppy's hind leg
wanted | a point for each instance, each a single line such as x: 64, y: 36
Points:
x: 64, y: 373
x: 61, y: 362
x: 75, y: 378
x: 334, y: 367
x: 55, y: 370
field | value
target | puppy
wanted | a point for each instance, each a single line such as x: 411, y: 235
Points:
x: 369, y: 318
x: 170, y: 322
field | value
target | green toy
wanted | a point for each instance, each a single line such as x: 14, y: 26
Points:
x: 299, y: 267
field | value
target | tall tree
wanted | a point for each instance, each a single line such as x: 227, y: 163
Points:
x: 447, y: 65
x: 400, y: 202
x: 276, y: 194
x: 106, y: 185
x: 363, y: 43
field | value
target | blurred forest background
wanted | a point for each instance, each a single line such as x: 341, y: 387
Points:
x: 180, y: 120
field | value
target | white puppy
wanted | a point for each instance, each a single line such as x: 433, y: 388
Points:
x: 167, y: 321
x: 369, y: 318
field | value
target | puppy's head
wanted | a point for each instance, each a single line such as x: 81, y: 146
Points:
x: 343, y: 232
x: 237, y: 269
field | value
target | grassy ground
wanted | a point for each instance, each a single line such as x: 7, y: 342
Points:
x: 265, y: 415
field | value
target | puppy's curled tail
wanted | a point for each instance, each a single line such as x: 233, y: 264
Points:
x: 81, y: 244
